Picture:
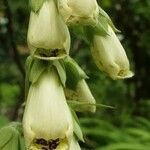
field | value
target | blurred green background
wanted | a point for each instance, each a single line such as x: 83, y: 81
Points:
x: 127, y: 127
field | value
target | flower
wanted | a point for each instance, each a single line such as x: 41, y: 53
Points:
x: 83, y: 12
x: 83, y: 95
x: 110, y: 56
x: 48, y: 36
x: 47, y: 118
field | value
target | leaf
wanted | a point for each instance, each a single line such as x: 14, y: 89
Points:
x: 77, y: 130
x: 61, y: 71
x: 21, y: 144
x: 28, y: 66
x: 37, y: 69
x: 79, y: 32
x: 5, y: 136
x: 74, y: 73
x: 13, y: 144
x: 102, y: 27
x: 77, y: 105
x: 16, y: 142
x: 104, y: 14
x: 36, y: 5
x: 76, y: 126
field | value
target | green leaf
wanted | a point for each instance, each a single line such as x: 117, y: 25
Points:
x: 5, y: 136
x: 102, y: 27
x: 79, y: 32
x: 61, y: 71
x: 77, y: 130
x: 28, y: 66
x: 13, y: 144
x: 77, y: 105
x: 37, y: 69
x: 21, y: 144
x: 104, y: 14
x: 74, y: 73
x: 36, y: 5
x: 76, y: 126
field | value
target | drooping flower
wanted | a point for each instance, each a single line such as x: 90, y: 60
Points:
x: 83, y: 95
x: 83, y: 12
x: 48, y: 36
x: 47, y: 120
x: 110, y: 56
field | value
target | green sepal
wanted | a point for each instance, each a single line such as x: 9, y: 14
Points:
x: 76, y: 126
x: 89, y: 34
x: 77, y: 105
x: 36, y: 5
x: 13, y: 144
x: 5, y: 136
x: 102, y: 27
x: 21, y: 143
x: 109, y: 21
x: 37, y: 69
x: 61, y: 71
x: 11, y: 134
x: 28, y: 66
x: 78, y: 131
x: 79, y: 31
x: 74, y: 73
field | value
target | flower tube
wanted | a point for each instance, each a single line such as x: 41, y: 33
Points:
x: 83, y: 12
x: 110, y: 56
x: 48, y: 36
x: 47, y: 120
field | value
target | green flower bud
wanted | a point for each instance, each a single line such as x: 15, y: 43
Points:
x: 82, y: 94
x: 110, y: 56
x: 47, y: 120
x: 83, y: 12
x: 48, y: 36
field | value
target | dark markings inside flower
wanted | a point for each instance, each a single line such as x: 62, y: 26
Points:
x: 42, y: 53
x: 47, y: 145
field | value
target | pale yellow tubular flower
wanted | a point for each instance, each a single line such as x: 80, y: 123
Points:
x: 83, y: 95
x: 83, y: 12
x: 110, y: 56
x: 48, y: 36
x: 47, y: 117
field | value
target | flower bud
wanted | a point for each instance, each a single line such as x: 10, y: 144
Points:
x: 47, y: 120
x: 82, y: 94
x: 110, y: 56
x: 48, y: 36
x: 83, y: 12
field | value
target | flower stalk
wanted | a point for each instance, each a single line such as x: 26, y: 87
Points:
x: 54, y: 79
